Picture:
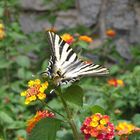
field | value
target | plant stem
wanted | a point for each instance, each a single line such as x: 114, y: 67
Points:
x: 52, y: 109
x: 70, y: 118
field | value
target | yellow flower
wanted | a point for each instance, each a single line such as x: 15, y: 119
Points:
x: 23, y: 93
x: 2, y: 32
x: 94, y: 123
x: 1, y: 26
x: 35, y: 91
x: 98, y: 126
x: 85, y: 38
x: 41, y: 96
x: 124, y: 128
x: 96, y: 117
x: 68, y: 38
x: 120, y: 82
x: 103, y: 121
x: 115, y: 82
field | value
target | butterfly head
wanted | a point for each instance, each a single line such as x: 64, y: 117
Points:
x: 57, y: 77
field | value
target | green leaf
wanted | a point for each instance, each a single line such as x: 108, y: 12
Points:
x: 45, y: 64
x: 1, y: 11
x: 5, y: 119
x: 17, y: 125
x: 45, y: 129
x: 17, y: 36
x: 23, y: 61
x: 114, y: 69
x: 74, y: 94
x: 136, y: 119
x: 83, y: 45
x: 24, y: 74
x: 4, y: 63
x: 97, y: 109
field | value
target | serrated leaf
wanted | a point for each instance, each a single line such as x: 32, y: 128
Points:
x: 74, y: 94
x: 45, y: 129
x: 97, y: 109
x: 23, y: 61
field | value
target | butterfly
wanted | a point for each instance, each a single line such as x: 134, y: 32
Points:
x: 64, y: 65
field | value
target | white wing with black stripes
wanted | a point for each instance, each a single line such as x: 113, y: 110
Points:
x: 64, y: 65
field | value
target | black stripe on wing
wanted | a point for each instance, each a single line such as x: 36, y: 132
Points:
x: 93, y: 69
x: 49, y: 69
x: 67, y: 81
x: 61, y: 49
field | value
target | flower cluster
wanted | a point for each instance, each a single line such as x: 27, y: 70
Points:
x: 35, y: 91
x: 39, y: 115
x: 125, y: 128
x: 99, y: 127
x: 2, y: 32
x: 111, y: 33
x: 85, y: 38
x: 115, y: 82
x: 68, y: 38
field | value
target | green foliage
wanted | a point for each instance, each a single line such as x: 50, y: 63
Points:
x: 97, y: 109
x: 74, y: 94
x: 45, y: 129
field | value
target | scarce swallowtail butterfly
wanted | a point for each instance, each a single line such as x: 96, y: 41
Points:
x: 64, y: 65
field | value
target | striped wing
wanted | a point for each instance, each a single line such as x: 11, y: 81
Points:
x: 66, y: 60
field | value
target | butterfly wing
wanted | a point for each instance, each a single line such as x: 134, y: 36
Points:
x: 65, y: 59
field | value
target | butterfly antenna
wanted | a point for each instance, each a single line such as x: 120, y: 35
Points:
x: 53, y: 90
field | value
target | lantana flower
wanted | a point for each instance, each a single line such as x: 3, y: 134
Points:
x: 116, y: 82
x: 35, y: 91
x: 111, y: 33
x: 98, y: 126
x: 68, y: 38
x: 125, y: 128
x: 2, y: 32
x: 39, y: 116
x: 86, y: 38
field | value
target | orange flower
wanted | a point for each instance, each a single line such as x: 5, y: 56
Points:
x: 88, y: 62
x: 125, y: 128
x: 20, y: 138
x: 98, y: 126
x: 111, y: 33
x: 85, y: 38
x: 115, y: 82
x: 2, y: 32
x: 51, y: 29
x: 35, y: 91
x: 68, y: 38
x: 39, y: 115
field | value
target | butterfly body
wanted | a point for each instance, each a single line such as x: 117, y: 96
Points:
x: 65, y: 66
